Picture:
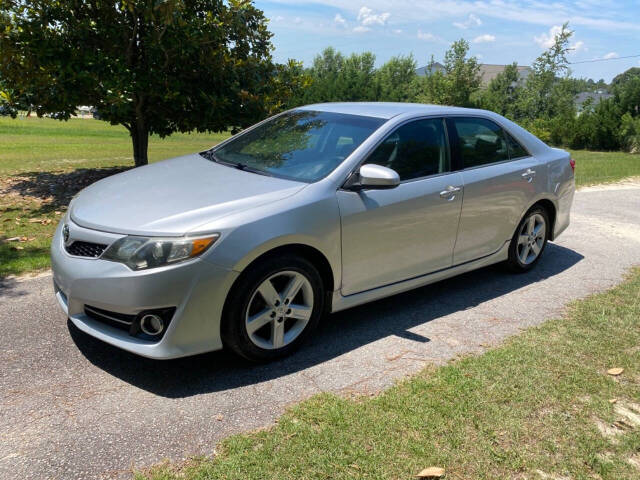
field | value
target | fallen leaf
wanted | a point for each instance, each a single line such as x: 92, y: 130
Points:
x: 57, y: 212
x: 19, y: 248
x: 220, y: 418
x: 431, y: 472
x: 35, y: 220
x: 615, y: 371
x: 6, y: 220
x: 13, y: 239
x: 613, y: 400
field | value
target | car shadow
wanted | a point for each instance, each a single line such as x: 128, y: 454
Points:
x: 339, y: 333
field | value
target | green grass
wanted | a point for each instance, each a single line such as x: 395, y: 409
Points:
x: 604, y: 167
x: 43, y: 162
x: 531, y: 404
x: 42, y: 144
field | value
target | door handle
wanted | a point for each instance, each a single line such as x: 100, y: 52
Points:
x: 450, y: 192
x: 529, y: 175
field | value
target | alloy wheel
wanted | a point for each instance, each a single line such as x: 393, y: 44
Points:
x: 531, y: 238
x: 279, y: 310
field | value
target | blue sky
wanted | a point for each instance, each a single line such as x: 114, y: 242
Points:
x: 499, y: 31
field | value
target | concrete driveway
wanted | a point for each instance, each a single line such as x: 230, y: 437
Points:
x: 72, y: 407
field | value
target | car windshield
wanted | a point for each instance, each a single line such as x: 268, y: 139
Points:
x: 299, y: 145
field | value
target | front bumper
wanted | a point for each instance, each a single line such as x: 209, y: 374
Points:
x: 197, y: 289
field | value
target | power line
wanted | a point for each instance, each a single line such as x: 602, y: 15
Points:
x: 604, y: 59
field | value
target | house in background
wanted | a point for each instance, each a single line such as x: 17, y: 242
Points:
x: 487, y: 71
x: 590, y: 98
x: 429, y: 69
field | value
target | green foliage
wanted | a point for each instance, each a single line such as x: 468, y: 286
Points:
x: 456, y: 85
x: 393, y: 79
x: 156, y: 67
x: 334, y: 77
x: 629, y: 133
x: 504, y: 94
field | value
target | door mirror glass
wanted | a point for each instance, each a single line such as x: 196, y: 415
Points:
x: 377, y: 176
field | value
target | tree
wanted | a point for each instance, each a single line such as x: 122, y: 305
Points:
x: 503, y: 94
x: 154, y: 66
x: 393, y: 79
x: 548, y: 92
x: 336, y: 78
x: 626, y: 88
x: 454, y: 86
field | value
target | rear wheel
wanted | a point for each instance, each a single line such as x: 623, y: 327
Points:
x: 529, y: 240
x: 273, y: 308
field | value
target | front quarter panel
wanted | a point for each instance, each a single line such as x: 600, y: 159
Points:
x: 309, y: 218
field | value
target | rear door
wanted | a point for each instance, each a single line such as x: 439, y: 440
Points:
x: 500, y: 180
x: 396, y: 234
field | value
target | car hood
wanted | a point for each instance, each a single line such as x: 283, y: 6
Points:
x: 174, y: 197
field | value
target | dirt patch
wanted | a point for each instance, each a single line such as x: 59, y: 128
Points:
x: 52, y: 188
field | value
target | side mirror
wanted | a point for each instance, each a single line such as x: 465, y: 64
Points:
x: 371, y: 176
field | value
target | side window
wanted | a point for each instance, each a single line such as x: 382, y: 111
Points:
x: 414, y: 150
x: 515, y: 149
x: 481, y: 142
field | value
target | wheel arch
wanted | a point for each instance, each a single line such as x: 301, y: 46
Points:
x: 551, y: 209
x: 312, y: 254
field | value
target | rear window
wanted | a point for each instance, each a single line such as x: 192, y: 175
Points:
x: 480, y: 141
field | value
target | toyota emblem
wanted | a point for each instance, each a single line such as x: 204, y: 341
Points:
x: 65, y: 233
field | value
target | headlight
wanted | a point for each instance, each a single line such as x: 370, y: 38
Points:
x: 139, y: 253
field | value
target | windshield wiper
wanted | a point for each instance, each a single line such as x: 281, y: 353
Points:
x: 210, y: 155
x: 247, y: 168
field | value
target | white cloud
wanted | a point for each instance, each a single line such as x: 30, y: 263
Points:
x: 486, y: 38
x: 430, y: 37
x: 339, y: 20
x: 470, y: 22
x: 279, y: 18
x: 367, y: 17
x: 611, y: 55
x: 361, y: 29
x: 397, y: 31
x: 577, y: 47
x: 297, y: 20
x: 546, y: 40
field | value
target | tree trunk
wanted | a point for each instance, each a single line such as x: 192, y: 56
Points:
x: 140, y: 139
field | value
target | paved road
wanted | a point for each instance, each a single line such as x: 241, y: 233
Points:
x: 72, y: 407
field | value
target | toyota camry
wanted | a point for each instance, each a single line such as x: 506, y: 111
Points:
x: 315, y: 210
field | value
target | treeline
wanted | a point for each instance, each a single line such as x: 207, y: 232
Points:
x: 544, y: 102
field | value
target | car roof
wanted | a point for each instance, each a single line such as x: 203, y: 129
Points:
x: 388, y: 109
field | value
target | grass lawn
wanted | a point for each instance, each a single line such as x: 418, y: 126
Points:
x: 604, y: 167
x: 44, y: 162
x: 541, y: 406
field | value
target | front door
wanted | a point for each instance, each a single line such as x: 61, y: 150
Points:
x: 397, y: 234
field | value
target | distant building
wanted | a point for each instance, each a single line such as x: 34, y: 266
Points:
x: 594, y: 97
x: 429, y: 69
x: 487, y: 71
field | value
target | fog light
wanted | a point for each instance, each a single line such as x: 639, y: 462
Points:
x: 151, y: 324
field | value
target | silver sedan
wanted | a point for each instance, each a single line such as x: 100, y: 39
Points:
x: 321, y: 208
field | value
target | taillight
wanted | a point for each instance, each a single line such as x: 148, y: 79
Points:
x: 572, y: 162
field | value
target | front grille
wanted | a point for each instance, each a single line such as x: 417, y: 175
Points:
x: 85, y: 249
x: 115, y: 319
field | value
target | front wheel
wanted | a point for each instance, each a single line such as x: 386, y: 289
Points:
x: 273, y: 308
x: 529, y: 240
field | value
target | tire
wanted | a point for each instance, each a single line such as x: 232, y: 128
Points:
x: 526, y: 240
x: 282, y: 322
